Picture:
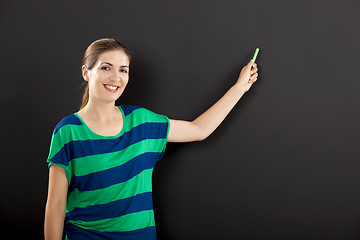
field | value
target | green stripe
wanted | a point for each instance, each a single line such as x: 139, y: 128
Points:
x: 146, y: 115
x: 129, y: 222
x: 100, y: 162
x: 81, y: 132
x: 115, y: 192
x: 56, y: 144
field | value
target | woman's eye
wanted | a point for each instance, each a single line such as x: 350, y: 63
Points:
x: 123, y: 70
x: 105, y: 68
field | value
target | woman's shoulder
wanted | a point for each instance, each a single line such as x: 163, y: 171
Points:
x: 138, y: 112
x: 128, y: 109
x: 68, y: 120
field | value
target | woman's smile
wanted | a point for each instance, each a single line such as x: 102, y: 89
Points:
x: 111, y: 88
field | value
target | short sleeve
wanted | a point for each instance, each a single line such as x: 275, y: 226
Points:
x: 59, y: 153
x: 150, y: 126
x: 165, y: 130
x: 160, y: 130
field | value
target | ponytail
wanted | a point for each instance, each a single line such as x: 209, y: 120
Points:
x: 85, y: 99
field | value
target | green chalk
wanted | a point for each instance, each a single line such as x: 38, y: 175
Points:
x: 255, y: 55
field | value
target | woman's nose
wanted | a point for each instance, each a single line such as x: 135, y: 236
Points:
x: 118, y: 77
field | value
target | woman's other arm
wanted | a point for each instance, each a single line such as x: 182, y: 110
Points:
x: 56, y: 203
x: 206, y: 123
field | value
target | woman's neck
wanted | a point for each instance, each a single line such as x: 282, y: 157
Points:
x: 99, y: 111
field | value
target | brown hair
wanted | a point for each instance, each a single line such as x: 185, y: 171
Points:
x: 92, y: 54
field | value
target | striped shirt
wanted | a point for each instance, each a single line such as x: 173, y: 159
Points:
x: 110, y: 177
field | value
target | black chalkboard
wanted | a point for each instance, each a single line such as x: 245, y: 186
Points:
x: 283, y: 165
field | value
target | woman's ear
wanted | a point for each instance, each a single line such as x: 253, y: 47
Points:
x: 85, y: 72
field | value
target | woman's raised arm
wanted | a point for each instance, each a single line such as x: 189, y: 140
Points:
x: 206, y: 123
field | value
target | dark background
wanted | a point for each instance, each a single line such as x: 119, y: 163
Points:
x: 283, y: 165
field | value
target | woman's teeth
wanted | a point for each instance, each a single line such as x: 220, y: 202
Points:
x: 111, y: 87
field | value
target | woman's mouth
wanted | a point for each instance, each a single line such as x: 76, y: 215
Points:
x: 111, y: 88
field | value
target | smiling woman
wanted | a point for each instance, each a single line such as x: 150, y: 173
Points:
x: 102, y: 157
x: 92, y: 54
x: 109, y: 73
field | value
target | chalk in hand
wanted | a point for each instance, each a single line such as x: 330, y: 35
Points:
x: 255, y: 55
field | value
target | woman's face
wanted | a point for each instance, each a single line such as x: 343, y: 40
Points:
x: 109, y: 76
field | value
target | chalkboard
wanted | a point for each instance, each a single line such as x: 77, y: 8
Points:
x: 283, y: 165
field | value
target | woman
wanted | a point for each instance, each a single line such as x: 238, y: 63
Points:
x: 102, y: 157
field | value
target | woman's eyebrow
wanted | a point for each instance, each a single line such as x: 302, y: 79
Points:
x: 112, y: 65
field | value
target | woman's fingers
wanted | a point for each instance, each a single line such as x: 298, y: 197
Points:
x: 254, y: 68
x: 253, y: 77
x: 253, y: 73
x: 249, y: 72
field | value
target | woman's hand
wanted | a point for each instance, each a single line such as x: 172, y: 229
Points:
x: 248, y: 76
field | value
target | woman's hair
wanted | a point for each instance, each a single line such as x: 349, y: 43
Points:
x: 92, y: 54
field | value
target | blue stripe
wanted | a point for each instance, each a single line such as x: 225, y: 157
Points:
x: 78, y: 149
x: 118, y: 208
x: 76, y: 233
x: 122, y: 173
x: 69, y: 120
x: 63, y: 156
x: 127, y: 109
